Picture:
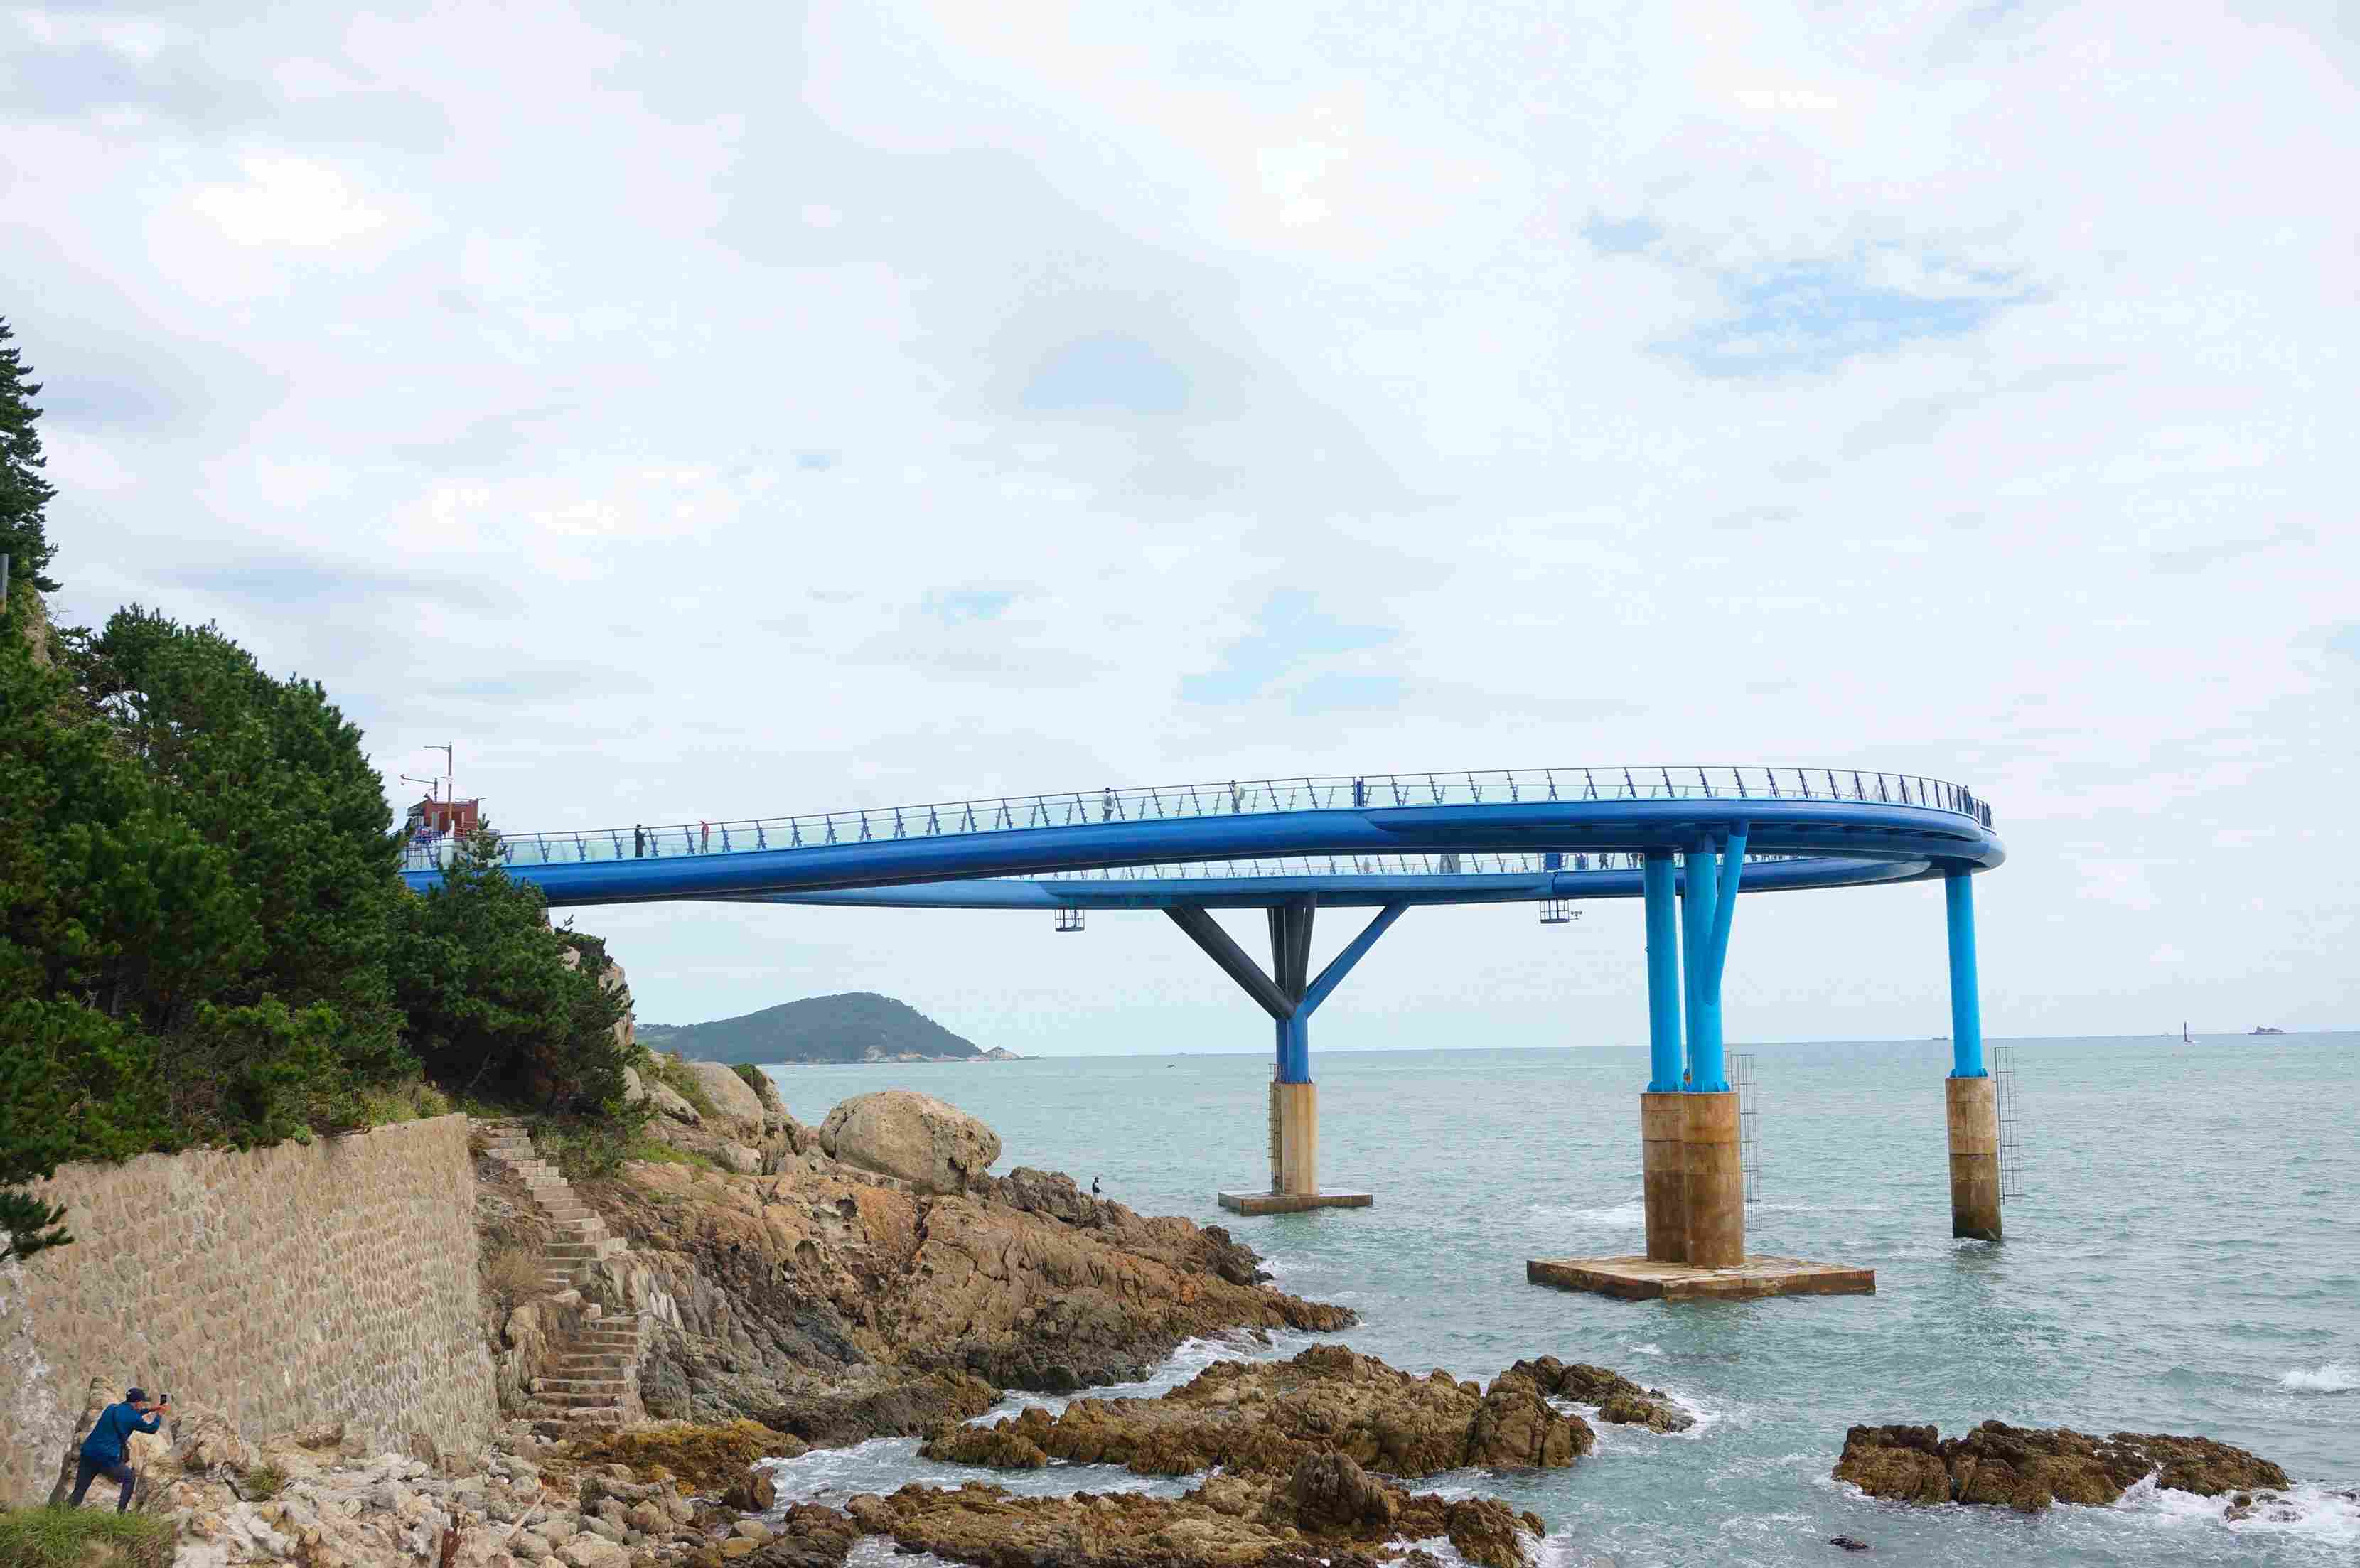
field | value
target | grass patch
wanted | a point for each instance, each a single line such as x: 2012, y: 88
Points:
x: 674, y: 1074
x: 514, y: 1272
x: 401, y: 1103
x: 260, y: 1482
x: 754, y: 1078
x: 83, y: 1537
x: 657, y: 1151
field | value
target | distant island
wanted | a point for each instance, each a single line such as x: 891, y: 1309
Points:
x: 856, y: 1026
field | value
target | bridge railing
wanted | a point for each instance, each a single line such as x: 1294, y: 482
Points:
x: 1229, y: 798
x: 1443, y: 863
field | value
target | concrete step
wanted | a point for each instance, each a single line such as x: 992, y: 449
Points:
x: 593, y: 1415
x: 568, y: 1400
x: 559, y: 1251
x: 613, y: 1386
x: 589, y: 1365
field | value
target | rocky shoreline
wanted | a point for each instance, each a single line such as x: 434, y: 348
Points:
x: 798, y: 1288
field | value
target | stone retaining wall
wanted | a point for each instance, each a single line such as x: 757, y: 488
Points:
x: 333, y: 1282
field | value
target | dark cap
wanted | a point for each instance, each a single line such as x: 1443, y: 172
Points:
x: 135, y: 1395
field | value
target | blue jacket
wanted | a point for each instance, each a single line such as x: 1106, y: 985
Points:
x: 107, y: 1440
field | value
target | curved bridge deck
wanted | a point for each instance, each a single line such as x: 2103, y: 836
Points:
x: 1862, y: 826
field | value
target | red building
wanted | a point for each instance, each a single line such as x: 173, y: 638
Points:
x: 436, y: 818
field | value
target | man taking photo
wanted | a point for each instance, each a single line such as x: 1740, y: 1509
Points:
x: 107, y: 1451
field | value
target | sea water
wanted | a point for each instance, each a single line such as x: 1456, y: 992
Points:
x: 2184, y: 1258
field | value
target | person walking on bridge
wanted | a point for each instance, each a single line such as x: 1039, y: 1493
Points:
x: 108, y: 1450
x: 638, y: 842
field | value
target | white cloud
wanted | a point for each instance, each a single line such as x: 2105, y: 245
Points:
x: 288, y: 202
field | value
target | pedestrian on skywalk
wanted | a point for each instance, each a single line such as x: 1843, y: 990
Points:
x: 107, y: 1451
x: 705, y: 838
x: 638, y: 842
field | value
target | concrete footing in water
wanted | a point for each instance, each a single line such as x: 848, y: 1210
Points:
x: 1294, y: 1159
x: 1642, y: 1278
x: 1292, y: 1202
x: 1693, y: 1178
x: 1973, y: 1105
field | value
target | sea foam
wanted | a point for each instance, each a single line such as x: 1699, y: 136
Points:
x: 2334, y: 1377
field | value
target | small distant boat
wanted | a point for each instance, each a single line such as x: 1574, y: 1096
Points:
x: 2265, y: 1029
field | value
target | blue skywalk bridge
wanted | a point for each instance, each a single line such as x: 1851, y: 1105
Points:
x: 1685, y: 840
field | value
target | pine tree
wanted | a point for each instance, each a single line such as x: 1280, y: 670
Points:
x: 23, y: 493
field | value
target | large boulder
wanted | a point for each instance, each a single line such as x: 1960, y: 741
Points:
x: 666, y: 1100
x: 896, y: 1132
x: 741, y: 1110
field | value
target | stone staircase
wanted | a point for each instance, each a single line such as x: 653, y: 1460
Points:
x: 593, y: 1375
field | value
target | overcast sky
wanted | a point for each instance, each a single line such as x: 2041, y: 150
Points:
x: 859, y: 404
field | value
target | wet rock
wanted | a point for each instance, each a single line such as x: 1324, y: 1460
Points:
x: 897, y: 1132
x: 1485, y: 1530
x: 1618, y: 1399
x: 2027, y: 1468
x: 1330, y: 1492
x: 752, y: 1493
x: 1849, y: 1543
x: 889, y: 1402
x: 1268, y: 1417
x: 810, y: 1535
x: 1326, y: 1510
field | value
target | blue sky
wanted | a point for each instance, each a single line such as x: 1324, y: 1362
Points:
x: 869, y: 404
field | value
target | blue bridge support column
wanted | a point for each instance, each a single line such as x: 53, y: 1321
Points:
x: 1290, y: 996
x: 1663, y: 1113
x: 1970, y: 1101
x: 1713, y: 1173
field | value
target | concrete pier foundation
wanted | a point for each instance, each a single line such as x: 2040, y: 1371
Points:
x: 1713, y: 1183
x: 1973, y: 1105
x: 1294, y: 1159
x: 1663, y: 1137
x: 1694, y: 1173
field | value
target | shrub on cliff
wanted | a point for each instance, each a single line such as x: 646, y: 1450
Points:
x: 270, y: 773
x: 495, y: 1008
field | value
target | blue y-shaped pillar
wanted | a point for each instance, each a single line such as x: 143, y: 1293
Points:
x: 1712, y: 1184
x: 1970, y: 1099
x: 1290, y: 998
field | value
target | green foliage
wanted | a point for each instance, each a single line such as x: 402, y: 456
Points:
x: 594, y: 1148
x: 29, y: 1224
x: 655, y: 1151
x: 261, y: 1483
x: 201, y: 919
x: 754, y: 1078
x: 270, y: 772
x: 498, y: 1004
x: 23, y: 493
x: 674, y: 1074
x: 85, y: 1538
